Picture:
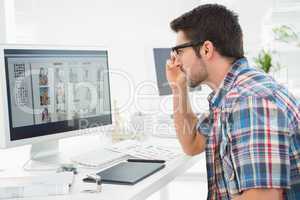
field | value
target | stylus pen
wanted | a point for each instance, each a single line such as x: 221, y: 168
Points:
x: 146, y: 160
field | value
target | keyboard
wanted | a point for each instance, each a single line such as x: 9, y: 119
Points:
x: 125, y: 149
x: 146, y: 150
x: 164, y: 127
x: 98, y: 158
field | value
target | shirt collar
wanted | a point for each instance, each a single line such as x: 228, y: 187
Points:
x: 237, y: 67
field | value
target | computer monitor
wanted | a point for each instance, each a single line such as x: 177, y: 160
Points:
x: 51, y: 92
x: 161, y: 55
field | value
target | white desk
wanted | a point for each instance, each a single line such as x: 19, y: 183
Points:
x: 141, y: 190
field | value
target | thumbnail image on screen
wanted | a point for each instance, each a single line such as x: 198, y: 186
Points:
x: 49, y: 86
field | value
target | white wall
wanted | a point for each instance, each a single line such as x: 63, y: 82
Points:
x: 2, y: 22
x: 7, y: 21
x: 130, y: 28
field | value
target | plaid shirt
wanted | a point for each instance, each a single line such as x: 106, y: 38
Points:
x: 253, y: 135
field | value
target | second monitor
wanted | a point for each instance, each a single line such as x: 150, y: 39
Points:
x: 161, y: 55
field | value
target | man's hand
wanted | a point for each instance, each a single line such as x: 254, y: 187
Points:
x: 185, y: 120
x: 175, y: 75
x: 261, y: 194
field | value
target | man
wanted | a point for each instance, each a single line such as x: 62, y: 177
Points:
x: 251, y: 136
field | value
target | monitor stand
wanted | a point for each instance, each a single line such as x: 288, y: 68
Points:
x: 46, y: 156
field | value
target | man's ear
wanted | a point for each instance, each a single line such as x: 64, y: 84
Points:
x: 207, y: 50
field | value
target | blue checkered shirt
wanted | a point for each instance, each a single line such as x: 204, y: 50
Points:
x: 253, y: 135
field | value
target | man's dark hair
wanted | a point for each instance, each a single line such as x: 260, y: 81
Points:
x: 215, y: 23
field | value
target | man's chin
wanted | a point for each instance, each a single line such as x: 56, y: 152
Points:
x: 194, y: 85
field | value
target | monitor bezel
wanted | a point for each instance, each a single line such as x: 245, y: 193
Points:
x: 6, y: 124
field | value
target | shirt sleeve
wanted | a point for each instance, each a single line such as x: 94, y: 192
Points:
x: 204, y: 124
x: 260, y: 144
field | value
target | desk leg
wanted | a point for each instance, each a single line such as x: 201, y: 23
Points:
x: 164, y: 193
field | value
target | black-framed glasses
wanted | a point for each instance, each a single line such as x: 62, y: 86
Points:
x: 185, y: 45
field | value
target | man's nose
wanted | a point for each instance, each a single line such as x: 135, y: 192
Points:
x: 178, y: 61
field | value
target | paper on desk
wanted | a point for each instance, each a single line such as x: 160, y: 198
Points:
x: 36, y: 185
x: 46, y: 179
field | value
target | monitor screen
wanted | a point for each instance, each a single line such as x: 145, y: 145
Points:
x: 160, y: 57
x: 55, y: 91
